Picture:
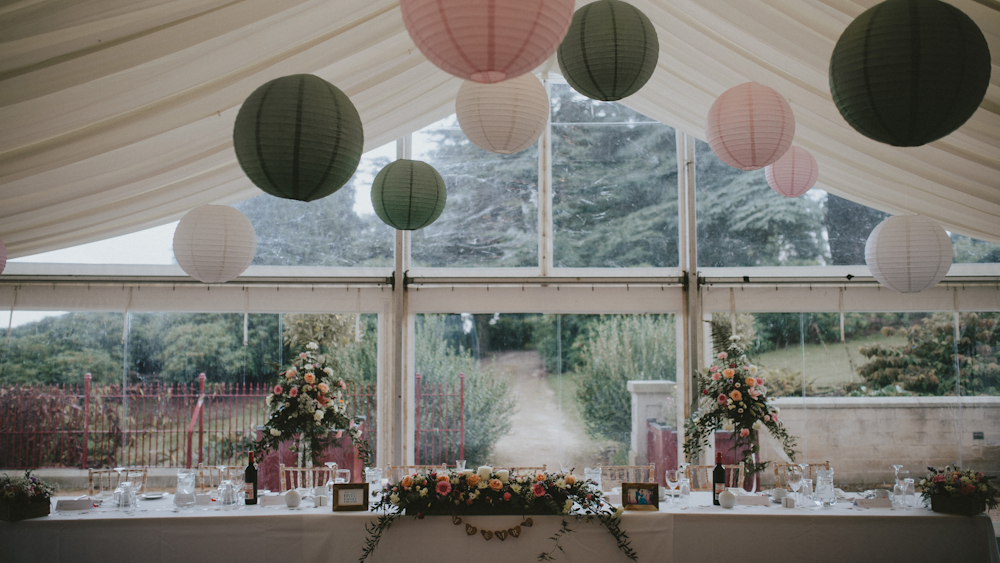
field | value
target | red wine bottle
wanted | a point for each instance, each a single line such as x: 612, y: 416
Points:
x: 251, y: 482
x: 718, y: 479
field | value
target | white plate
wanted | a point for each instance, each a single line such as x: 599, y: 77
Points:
x: 152, y: 496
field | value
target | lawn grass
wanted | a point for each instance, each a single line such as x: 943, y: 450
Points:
x: 830, y: 365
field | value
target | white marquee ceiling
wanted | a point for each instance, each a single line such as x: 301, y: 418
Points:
x: 117, y: 114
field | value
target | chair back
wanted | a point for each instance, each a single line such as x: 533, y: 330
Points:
x: 701, y: 476
x: 614, y: 475
x: 525, y: 470
x: 100, y: 480
x: 781, y: 472
x: 302, y: 477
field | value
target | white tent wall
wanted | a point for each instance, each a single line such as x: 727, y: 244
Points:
x: 118, y: 115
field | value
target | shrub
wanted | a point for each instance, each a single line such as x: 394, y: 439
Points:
x: 620, y: 348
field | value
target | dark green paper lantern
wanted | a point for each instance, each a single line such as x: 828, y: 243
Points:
x: 408, y: 194
x: 610, y: 50
x: 298, y: 137
x: 908, y: 72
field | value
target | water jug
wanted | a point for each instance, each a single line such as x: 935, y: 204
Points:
x: 185, y: 496
x: 825, y: 495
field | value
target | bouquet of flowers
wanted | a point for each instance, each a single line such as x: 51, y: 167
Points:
x: 489, y: 492
x: 734, y: 399
x: 308, y: 400
x: 974, y: 488
x: 24, y: 497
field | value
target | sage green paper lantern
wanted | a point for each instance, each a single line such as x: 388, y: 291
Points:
x: 610, y: 50
x: 298, y: 137
x: 408, y: 194
x: 908, y: 72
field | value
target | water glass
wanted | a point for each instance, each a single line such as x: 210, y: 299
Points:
x: 343, y: 476
x: 909, y: 494
x: 684, y: 492
x: 459, y: 465
x: 806, y: 491
x: 125, y: 496
x: 593, y: 475
x: 373, y: 475
x: 227, y: 494
x: 184, y: 497
x: 238, y: 477
x: 826, y: 496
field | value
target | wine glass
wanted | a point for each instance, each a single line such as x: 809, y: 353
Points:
x: 238, y: 478
x: 673, y: 479
x: 794, y: 480
x: 459, y: 465
x: 332, y: 466
x: 897, y: 468
x: 222, y: 473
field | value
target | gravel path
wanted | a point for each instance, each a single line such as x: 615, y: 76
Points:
x: 541, y: 431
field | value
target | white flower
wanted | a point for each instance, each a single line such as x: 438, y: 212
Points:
x: 267, y: 401
x: 516, y: 488
x: 728, y: 427
x: 312, y: 346
x: 619, y: 510
x: 734, y: 337
x: 423, y: 492
x: 318, y: 415
x: 394, y: 498
x: 328, y: 370
x: 758, y: 425
x: 568, y: 506
x: 561, y: 483
x: 275, y: 432
x: 752, y: 369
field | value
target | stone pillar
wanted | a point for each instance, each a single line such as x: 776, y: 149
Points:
x: 651, y: 401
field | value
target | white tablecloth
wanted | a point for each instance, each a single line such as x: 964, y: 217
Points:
x: 698, y: 533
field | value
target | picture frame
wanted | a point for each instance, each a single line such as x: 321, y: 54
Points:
x: 641, y: 496
x: 350, y: 497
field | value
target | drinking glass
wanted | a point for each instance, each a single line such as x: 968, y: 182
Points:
x: 897, y: 468
x: 593, y: 475
x: 795, y: 482
x: 684, y: 492
x: 333, y: 473
x: 909, y: 494
x: 227, y: 494
x: 826, y: 496
x: 238, y: 478
x: 343, y: 476
x: 459, y: 465
x: 902, y: 476
x: 564, y: 467
x: 807, y: 491
x: 184, y: 497
x: 673, y: 479
x: 897, y: 496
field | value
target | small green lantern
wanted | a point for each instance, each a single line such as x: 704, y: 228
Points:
x: 408, y: 194
x: 908, y: 72
x: 610, y: 50
x: 298, y: 137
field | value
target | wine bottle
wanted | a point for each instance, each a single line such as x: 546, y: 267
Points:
x: 718, y: 479
x: 251, y: 481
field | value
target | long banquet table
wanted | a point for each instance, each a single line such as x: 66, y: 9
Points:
x: 698, y: 533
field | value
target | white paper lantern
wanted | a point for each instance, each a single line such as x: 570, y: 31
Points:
x: 214, y: 243
x: 908, y: 253
x: 793, y: 174
x: 3, y: 256
x: 750, y: 126
x: 504, y: 118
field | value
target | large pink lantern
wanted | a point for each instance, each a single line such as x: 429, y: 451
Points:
x: 750, y: 126
x: 487, y: 40
x: 3, y: 256
x: 793, y: 174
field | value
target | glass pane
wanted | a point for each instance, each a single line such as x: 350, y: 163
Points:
x: 491, y: 218
x: 972, y: 251
x: 614, y: 185
x: 564, y: 374
x: 150, y: 246
x: 338, y: 230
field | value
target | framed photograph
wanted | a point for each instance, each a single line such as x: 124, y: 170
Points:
x: 350, y: 496
x: 641, y: 496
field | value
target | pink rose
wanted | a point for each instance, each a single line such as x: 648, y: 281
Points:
x: 293, y: 392
x: 302, y: 354
x: 277, y: 389
x: 744, y: 433
x: 506, y: 496
x: 968, y: 489
x: 723, y: 355
x: 343, y: 385
x: 443, y: 487
x: 468, y: 501
x: 538, y: 488
x: 774, y: 417
x: 716, y: 376
x: 713, y: 368
x: 722, y: 399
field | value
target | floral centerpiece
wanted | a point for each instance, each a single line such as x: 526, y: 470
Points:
x: 489, y: 492
x: 734, y: 399
x: 24, y: 497
x: 307, y: 400
x: 954, y: 491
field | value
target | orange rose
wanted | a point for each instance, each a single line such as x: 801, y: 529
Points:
x: 570, y: 480
x: 407, y: 482
x: 736, y: 395
x: 729, y: 372
x: 540, y: 477
x: 442, y: 477
x: 472, y: 480
x: 495, y: 484
x: 310, y: 378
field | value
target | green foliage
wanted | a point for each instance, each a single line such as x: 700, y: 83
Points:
x: 926, y: 364
x: 573, y: 331
x: 489, y: 401
x: 786, y: 383
x: 327, y: 330
x: 968, y: 250
x: 60, y: 349
x: 620, y: 348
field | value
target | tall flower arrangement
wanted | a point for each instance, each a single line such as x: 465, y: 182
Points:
x: 308, y: 400
x: 734, y: 399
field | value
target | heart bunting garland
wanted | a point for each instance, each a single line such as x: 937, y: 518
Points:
x: 514, y: 532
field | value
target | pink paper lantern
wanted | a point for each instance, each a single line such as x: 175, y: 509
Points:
x: 3, y: 256
x: 487, y: 41
x: 750, y: 126
x: 793, y: 174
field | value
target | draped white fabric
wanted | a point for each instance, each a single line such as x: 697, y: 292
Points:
x: 117, y: 114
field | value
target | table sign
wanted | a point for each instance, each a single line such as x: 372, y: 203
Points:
x: 271, y: 500
x: 752, y: 500
x: 873, y: 503
x: 79, y: 504
x: 350, y: 496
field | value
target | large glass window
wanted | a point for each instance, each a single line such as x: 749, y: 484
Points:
x: 614, y: 185
x: 491, y: 218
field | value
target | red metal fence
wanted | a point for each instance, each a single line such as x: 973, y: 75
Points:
x: 154, y: 425
x: 440, y: 422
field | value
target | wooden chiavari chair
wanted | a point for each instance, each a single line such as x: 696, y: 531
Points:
x: 701, y: 476
x: 781, y: 472
x: 614, y: 475
x: 302, y: 477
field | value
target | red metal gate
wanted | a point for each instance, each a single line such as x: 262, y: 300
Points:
x: 440, y: 432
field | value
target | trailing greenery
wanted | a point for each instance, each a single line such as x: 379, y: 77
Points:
x: 620, y: 348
